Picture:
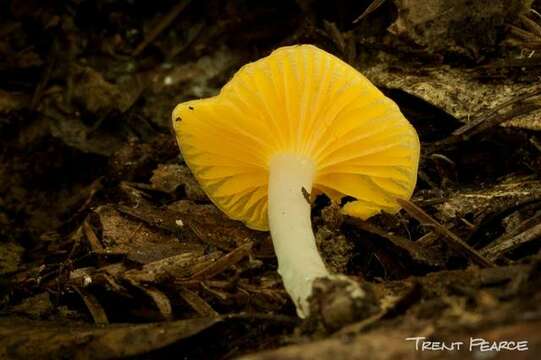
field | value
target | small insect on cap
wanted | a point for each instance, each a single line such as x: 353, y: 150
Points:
x: 299, y: 100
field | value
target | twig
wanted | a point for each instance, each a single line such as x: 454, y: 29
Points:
x: 494, y: 113
x: 161, y: 26
x: 370, y: 9
x: 531, y: 25
x: 534, y: 200
x: 91, y: 237
x: 93, y: 306
x: 197, y: 303
x: 514, y: 242
x: 523, y: 226
x: 491, y: 119
x: 521, y: 33
x: 224, y: 262
x: 416, y: 252
x: 454, y: 241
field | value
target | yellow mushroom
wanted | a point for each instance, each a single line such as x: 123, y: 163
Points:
x: 296, y: 121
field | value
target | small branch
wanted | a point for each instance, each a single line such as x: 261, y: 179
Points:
x: 369, y: 10
x: 93, y: 306
x: 198, y: 304
x: 224, y: 262
x: 454, y: 241
x: 416, y: 252
x: 514, y: 242
x: 91, y: 237
x: 492, y: 116
x: 491, y: 119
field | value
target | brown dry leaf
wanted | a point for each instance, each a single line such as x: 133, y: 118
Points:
x: 23, y: 339
x: 139, y: 241
x: 455, y: 90
x: 481, y: 202
x: 375, y: 345
x: 196, y: 77
x: 92, y: 97
x: 211, y: 226
x: 70, y: 128
x: 169, y: 177
x: 390, y: 343
x: 465, y: 27
x: 178, y: 266
x: 153, y: 272
x: 135, y: 158
x: 95, y: 94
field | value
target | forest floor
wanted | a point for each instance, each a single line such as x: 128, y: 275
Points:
x: 110, y: 249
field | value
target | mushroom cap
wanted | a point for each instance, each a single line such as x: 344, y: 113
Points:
x: 303, y: 100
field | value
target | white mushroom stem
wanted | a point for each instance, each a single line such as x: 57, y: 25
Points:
x: 299, y: 262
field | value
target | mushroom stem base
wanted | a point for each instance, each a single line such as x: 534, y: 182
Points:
x: 299, y: 262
